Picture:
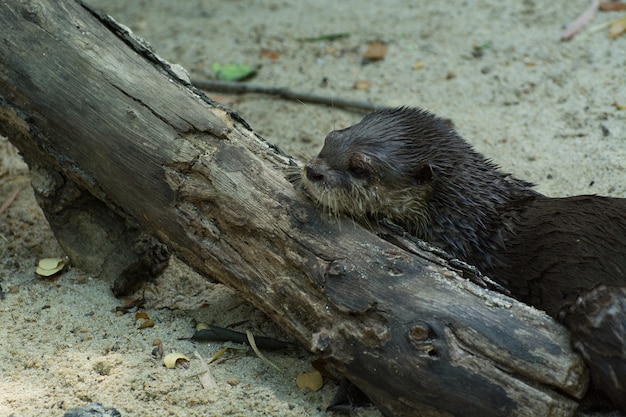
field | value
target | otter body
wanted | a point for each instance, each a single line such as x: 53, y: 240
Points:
x: 408, y: 167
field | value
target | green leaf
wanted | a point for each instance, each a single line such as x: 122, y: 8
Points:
x: 232, y: 72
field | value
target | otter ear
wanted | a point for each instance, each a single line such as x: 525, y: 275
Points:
x: 425, y: 174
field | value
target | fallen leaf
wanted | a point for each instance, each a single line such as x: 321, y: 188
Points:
x: 258, y: 352
x: 375, y: 51
x: 218, y: 354
x: 312, y: 380
x: 207, y: 380
x: 232, y: 72
x: 50, y: 266
x: 268, y: 53
x: 129, y: 304
x: 612, y: 6
x: 617, y: 28
x: 141, y: 315
x: 202, y: 326
x: 172, y: 359
x: 146, y: 324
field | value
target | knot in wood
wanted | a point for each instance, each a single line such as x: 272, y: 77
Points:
x: 339, y: 268
x: 421, y: 337
x: 377, y: 333
x: 301, y: 215
x: 32, y: 13
x: 419, y: 333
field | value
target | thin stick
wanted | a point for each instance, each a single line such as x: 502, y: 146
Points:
x: 246, y: 88
x: 594, y: 29
x: 581, y: 21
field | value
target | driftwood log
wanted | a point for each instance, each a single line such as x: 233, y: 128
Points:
x: 113, y: 136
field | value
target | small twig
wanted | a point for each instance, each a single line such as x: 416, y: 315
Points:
x: 10, y: 200
x: 247, y: 88
x: 328, y: 37
x: 594, y: 29
x: 581, y: 21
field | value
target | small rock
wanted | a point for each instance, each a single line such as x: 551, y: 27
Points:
x: 92, y: 410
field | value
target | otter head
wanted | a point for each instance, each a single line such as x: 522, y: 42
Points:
x: 408, y: 167
x: 383, y: 167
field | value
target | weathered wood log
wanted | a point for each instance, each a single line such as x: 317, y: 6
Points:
x: 112, y: 134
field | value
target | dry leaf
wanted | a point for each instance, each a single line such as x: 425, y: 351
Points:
x: 258, y: 352
x: 202, y: 326
x: 172, y: 359
x: 146, y: 324
x: 129, y: 304
x: 612, y: 6
x: 268, y: 53
x: 312, y: 380
x: 617, y: 28
x: 50, y: 266
x: 218, y: 354
x: 375, y: 51
x: 362, y: 85
x: 141, y: 315
x: 207, y: 380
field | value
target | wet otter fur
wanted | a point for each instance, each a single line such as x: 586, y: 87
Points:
x: 408, y: 167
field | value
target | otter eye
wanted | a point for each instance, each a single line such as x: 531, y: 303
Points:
x: 359, y: 165
x: 425, y: 174
x: 358, y: 172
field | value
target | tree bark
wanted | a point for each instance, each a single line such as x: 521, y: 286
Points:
x: 113, y: 135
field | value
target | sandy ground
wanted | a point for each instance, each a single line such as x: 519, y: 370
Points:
x: 543, y: 109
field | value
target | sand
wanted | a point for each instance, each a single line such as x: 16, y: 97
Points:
x: 545, y: 110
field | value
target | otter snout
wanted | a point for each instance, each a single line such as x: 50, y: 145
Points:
x: 314, y: 174
x: 317, y: 174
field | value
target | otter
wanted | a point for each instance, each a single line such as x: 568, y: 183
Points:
x: 407, y: 167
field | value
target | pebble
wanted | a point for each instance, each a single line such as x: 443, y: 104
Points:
x: 92, y: 410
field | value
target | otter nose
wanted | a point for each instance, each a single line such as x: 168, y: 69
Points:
x: 314, y: 174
